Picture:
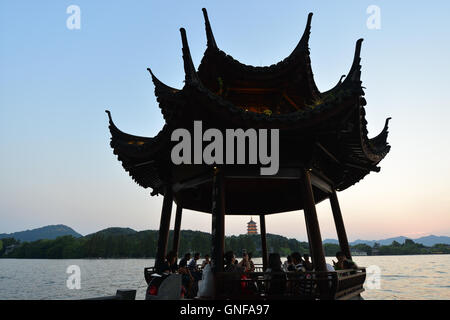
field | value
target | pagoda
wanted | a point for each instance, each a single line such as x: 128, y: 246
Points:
x: 324, y: 148
x: 251, y: 227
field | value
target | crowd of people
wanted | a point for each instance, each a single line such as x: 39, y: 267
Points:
x: 276, y: 270
x: 188, y: 267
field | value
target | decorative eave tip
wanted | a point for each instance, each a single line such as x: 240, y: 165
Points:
x: 354, y: 75
x: 211, y: 42
x: 308, y: 23
x: 358, y: 48
x: 307, y: 32
x: 155, y: 80
x: 109, y: 116
x: 112, y: 126
x: 380, y: 141
x: 189, y: 69
x: 386, y: 125
x: 305, y: 38
x: 303, y: 44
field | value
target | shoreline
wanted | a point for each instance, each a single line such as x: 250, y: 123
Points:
x: 150, y: 258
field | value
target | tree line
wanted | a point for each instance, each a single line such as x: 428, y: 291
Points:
x: 144, y: 244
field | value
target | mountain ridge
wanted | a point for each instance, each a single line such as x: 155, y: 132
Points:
x: 53, y: 231
x: 429, y: 240
x: 49, y: 232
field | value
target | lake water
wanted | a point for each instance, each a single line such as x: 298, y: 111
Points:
x: 401, y: 277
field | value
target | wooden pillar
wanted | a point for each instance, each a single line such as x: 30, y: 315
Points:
x: 309, y: 240
x: 218, y: 221
x: 176, y: 229
x: 312, y: 224
x: 262, y: 222
x: 163, y: 235
x: 339, y: 222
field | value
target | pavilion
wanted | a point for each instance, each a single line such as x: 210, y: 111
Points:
x: 324, y: 145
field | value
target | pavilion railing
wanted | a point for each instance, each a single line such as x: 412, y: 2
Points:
x: 342, y: 284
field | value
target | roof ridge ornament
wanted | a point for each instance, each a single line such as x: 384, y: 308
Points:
x: 211, y: 42
x: 189, y: 69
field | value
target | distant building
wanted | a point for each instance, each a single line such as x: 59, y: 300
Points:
x: 358, y: 253
x: 252, y: 227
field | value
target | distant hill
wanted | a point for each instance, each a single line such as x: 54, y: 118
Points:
x: 383, y: 242
x: 426, y: 241
x: 333, y: 241
x: 114, y: 231
x: 47, y: 232
x: 54, y: 231
x: 128, y: 243
x: 432, y: 240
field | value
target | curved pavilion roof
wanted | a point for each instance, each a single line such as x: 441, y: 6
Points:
x: 225, y: 93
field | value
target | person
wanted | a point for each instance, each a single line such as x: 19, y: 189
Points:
x: 206, y: 261
x: 206, y: 284
x: 250, y: 261
x: 193, y: 263
x: 343, y: 262
x: 287, y: 265
x: 185, y: 259
x: 187, y: 279
x: 330, y: 268
x: 168, y: 266
x: 306, y: 263
x: 192, y: 266
x: 276, y: 276
x: 230, y: 262
x: 244, y: 264
x: 297, y: 262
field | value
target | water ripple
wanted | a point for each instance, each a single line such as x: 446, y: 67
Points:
x: 402, y: 277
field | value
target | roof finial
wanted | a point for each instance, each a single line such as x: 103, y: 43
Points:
x: 189, y: 69
x: 211, y: 42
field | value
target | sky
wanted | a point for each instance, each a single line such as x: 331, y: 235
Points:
x: 56, y: 163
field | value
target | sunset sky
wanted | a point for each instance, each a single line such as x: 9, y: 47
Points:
x: 56, y: 163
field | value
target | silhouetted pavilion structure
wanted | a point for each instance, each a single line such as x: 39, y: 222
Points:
x: 324, y: 144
